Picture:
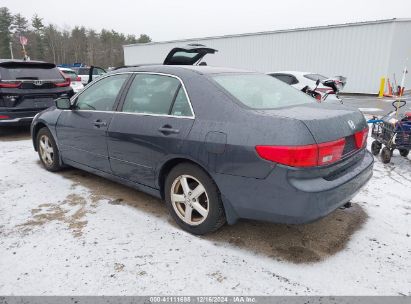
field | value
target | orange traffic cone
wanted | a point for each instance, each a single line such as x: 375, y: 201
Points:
x: 389, y: 94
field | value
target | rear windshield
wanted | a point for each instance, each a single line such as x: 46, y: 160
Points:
x: 315, y: 77
x: 71, y: 74
x: 29, y: 73
x: 259, y: 91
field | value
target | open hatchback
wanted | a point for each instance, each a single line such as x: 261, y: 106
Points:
x: 189, y: 55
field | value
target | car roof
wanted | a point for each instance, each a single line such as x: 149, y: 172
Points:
x: 291, y: 72
x: 181, y: 68
x: 20, y: 60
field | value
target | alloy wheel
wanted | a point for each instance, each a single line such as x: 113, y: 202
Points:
x: 189, y: 200
x: 46, y: 150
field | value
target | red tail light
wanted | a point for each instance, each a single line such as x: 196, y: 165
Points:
x: 303, y: 156
x: 361, y: 138
x: 12, y: 84
x: 4, y: 117
x: 330, y: 152
x: 78, y: 78
x: 66, y: 83
x: 295, y: 156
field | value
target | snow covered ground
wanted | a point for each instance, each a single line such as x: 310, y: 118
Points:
x: 72, y: 233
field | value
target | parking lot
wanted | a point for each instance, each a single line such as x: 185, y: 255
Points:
x: 75, y: 233
x: 371, y: 105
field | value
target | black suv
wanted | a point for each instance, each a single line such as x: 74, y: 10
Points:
x: 28, y: 87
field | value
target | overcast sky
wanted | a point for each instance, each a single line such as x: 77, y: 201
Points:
x: 176, y: 19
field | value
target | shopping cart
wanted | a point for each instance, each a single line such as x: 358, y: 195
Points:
x: 393, y: 131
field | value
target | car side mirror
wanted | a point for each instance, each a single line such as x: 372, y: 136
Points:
x: 63, y: 103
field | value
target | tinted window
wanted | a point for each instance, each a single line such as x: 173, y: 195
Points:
x: 70, y: 74
x: 102, y: 95
x: 98, y: 71
x: 151, y: 94
x: 181, y: 105
x: 83, y: 71
x: 261, y: 91
x: 289, y: 79
x: 32, y: 73
x: 315, y: 77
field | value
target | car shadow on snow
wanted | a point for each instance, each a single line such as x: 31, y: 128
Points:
x: 294, y: 243
x: 14, y: 133
x: 306, y: 243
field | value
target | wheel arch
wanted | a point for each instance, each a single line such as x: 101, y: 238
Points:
x: 36, y: 129
x: 230, y: 214
x: 167, y: 166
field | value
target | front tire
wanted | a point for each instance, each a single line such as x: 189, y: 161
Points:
x: 193, y: 199
x: 48, y: 151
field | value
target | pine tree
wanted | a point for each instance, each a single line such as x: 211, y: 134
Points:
x: 20, y: 27
x: 6, y: 20
x: 143, y: 39
x: 38, y: 26
x: 49, y: 43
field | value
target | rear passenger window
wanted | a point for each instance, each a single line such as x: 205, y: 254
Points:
x: 181, y: 105
x: 155, y: 94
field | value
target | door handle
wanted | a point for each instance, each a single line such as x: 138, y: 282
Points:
x: 167, y: 129
x: 99, y: 123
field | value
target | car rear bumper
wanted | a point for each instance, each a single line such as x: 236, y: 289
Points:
x: 17, y: 118
x: 286, y: 197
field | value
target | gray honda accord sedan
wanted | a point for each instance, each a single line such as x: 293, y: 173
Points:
x: 215, y: 144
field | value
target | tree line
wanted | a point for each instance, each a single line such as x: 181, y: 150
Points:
x: 49, y: 43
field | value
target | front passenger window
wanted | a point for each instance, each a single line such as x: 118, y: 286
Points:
x: 102, y: 95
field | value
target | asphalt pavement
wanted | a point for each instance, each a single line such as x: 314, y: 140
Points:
x: 373, y: 105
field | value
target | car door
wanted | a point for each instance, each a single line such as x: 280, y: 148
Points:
x: 81, y: 131
x: 155, y: 117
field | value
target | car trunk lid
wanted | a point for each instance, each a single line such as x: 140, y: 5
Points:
x: 188, y: 55
x: 326, y: 122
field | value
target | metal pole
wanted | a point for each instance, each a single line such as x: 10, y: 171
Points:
x: 402, y: 87
x: 11, y: 49
x: 24, y: 52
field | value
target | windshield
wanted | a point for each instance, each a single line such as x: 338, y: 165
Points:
x: 259, y: 91
x: 315, y: 77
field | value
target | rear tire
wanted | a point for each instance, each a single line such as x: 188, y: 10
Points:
x: 193, y: 199
x: 375, y: 147
x: 386, y: 155
x: 404, y: 152
x: 48, y: 151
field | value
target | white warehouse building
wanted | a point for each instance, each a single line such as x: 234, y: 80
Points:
x: 363, y: 52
